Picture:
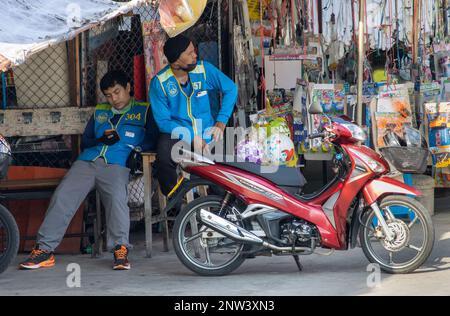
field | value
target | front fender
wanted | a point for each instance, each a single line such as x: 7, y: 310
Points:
x: 378, y: 188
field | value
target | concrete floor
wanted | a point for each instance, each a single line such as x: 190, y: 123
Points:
x: 343, y: 273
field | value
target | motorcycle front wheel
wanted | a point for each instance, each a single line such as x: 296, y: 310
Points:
x: 201, y: 249
x: 9, y: 238
x: 413, y: 232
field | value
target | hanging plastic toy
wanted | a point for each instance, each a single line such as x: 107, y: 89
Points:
x: 280, y: 150
x: 179, y: 15
x: 279, y: 126
x: 250, y: 151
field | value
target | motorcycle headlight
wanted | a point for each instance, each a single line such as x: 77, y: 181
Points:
x: 358, y: 133
x: 374, y: 165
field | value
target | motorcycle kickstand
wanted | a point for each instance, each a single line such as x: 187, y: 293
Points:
x: 297, y: 261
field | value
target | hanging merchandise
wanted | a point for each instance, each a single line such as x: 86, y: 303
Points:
x: 388, y: 23
x: 439, y: 139
x: 268, y: 144
x: 439, y: 132
x: 154, y: 39
x: 337, y: 30
x: 442, y: 60
x: 300, y: 115
x: 298, y: 94
x: 398, y: 104
x: 259, y: 132
x: 384, y: 90
x: 393, y: 114
x: 244, y: 61
x: 279, y: 126
x: 347, y: 67
x: 395, y: 135
x: 299, y: 130
x: 176, y: 16
x: 425, y: 93
x: 445, y: 85
x: 261, y: 34
x: 249, y: 150
x: 430, y: 92
x: 331, y: 98
x: 270, y: 140
x: 313, y: 61
x: 315, y: 149
x: 279, y: 102
x: 262, y: 24
x: 280, y: 150
x: 254, y: 8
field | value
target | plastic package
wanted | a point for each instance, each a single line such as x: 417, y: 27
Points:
x: 280, y: 150
x: 179, y: 15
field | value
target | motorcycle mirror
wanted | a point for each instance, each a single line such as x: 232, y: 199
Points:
x: 315, y: 108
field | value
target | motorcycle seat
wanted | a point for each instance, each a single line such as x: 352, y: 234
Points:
x: 283, y: 177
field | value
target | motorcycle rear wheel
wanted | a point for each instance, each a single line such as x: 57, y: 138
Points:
x: 203, y: 256
x: 9, y: 238
x: 413, y: 230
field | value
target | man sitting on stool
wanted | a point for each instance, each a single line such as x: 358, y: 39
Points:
x: 111, y: 134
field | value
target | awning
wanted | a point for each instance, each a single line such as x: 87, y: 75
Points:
x: 29, y: 26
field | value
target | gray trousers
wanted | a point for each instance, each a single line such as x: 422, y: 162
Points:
x: 110, y: 180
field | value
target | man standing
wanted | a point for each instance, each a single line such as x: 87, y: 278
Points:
x: 179, y: 98
x: 111, y: 134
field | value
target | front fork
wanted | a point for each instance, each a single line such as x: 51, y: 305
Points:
x: 388, y: 234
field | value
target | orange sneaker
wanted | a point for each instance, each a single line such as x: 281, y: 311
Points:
x: 121, y: 258
x: 38, y: 259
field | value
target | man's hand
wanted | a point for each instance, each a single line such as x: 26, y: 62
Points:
x: 110, y: 137
x: 217, y: 131
x: 200, y: 145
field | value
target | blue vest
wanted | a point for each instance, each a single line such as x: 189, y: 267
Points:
x: 191, y: 111
x: 131, y: 130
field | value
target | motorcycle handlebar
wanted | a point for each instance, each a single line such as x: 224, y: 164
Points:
x: 318, y: 135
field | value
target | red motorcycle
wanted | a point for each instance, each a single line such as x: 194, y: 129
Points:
x: 266, y: 213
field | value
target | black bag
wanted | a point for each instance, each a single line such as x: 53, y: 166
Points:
x: 134, y: 162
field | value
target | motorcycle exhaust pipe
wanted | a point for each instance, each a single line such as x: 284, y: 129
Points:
x: 228, y: 229
x: 235, y: 232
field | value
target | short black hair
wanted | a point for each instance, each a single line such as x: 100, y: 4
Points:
x: 112, y: 78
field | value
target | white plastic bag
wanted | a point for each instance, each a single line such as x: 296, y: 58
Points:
x: 179, y: 15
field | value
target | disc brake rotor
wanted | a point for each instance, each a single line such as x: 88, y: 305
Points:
x: 401, y: 236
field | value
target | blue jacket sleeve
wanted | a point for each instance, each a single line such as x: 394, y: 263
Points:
x: 151, y: 133
x: 88, y: 139
x: 161, y: 111
x: 217, y: 80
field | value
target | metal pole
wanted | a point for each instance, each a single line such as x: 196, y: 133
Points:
x: 416, y: 31
x: 231, y: 38
x: 5, y: 99
x: 219, y: 31
x: 320, y: 15
x: 446, y: 21
x: 415, y: 70
x: 361, y: 56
